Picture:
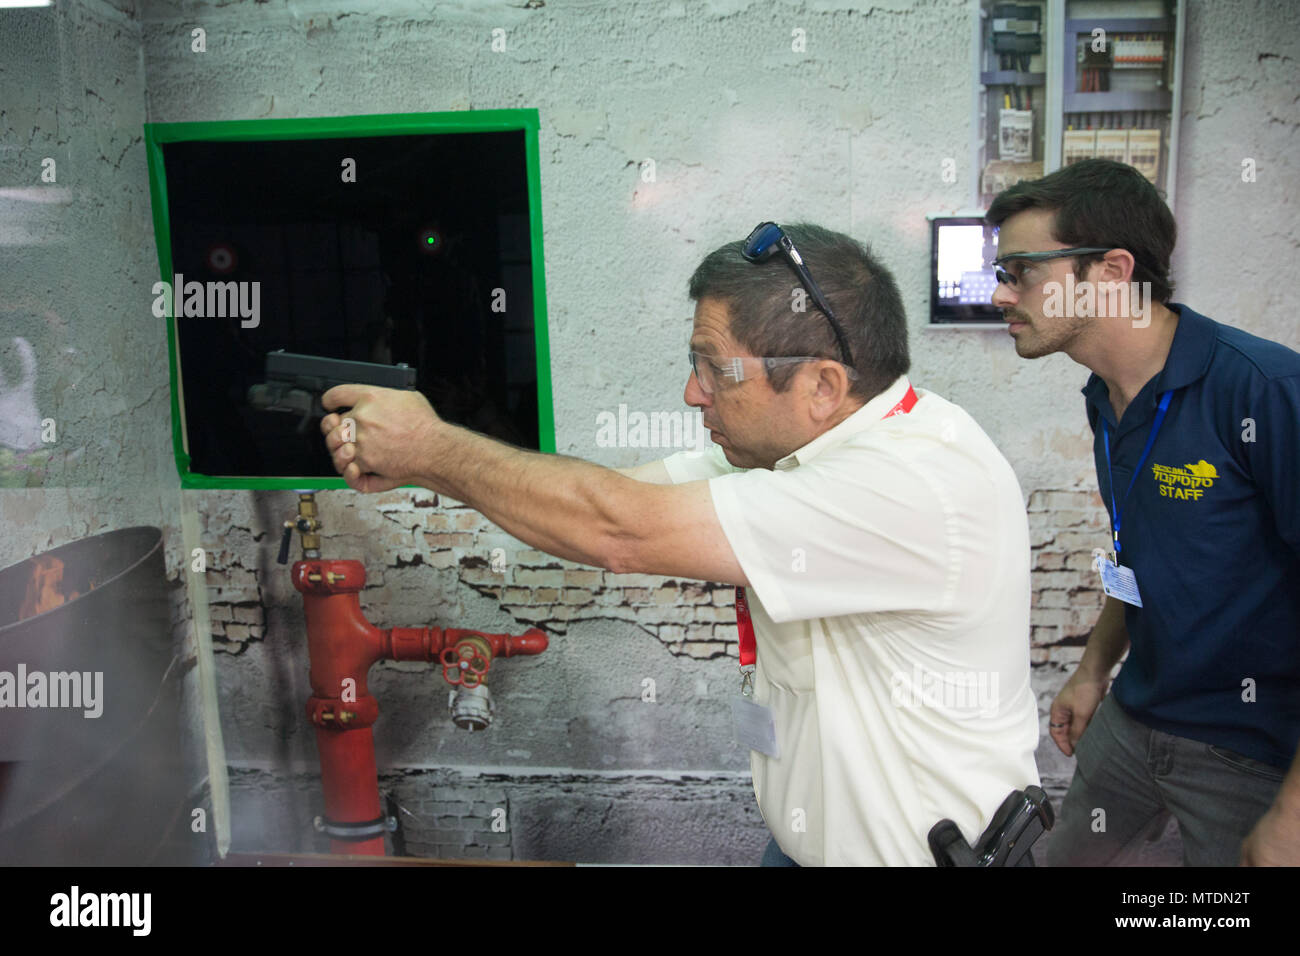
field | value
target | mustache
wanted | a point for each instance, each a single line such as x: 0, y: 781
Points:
x: 1014, y: 315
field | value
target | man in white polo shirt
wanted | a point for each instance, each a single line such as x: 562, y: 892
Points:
x: 879, y: 535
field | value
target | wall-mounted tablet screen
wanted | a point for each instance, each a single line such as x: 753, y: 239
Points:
x: 962, y: 249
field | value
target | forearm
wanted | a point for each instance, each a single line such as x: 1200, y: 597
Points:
x: 563, y: 506
x: 1106, y: 644
x: 654, y: 472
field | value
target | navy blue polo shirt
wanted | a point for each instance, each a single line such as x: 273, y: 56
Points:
x: 1212, y: 531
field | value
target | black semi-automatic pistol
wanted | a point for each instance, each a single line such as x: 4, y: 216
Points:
x: 295, y: 383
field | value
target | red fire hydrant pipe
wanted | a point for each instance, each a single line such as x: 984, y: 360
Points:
x: 342, y: 645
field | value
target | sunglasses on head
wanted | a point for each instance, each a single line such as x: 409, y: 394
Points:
x: 764, y: 242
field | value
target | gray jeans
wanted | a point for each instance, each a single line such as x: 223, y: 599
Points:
x: 1129, y: 779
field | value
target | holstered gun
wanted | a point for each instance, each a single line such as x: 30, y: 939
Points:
x: 1023, y: 817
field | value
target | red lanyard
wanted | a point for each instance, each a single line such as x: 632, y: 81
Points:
x: 745, y: 624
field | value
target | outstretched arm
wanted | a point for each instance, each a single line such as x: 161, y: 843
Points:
x: 564, y: 506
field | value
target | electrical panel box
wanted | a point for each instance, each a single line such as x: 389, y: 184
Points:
x: 1012, y: 101
x: 1065, y: 80
x: 1120, y: 83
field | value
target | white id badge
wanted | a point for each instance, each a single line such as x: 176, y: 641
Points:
x: 755, y: 728
x: 1116, y: 580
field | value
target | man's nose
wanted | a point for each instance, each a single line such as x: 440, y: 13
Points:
x: 695, y: 396
x: 1003, y: 297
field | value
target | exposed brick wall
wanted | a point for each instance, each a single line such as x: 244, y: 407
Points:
x: 691, y: 618
x: 442, y: 815
x: 236, y: 605
x: 1065, y: 524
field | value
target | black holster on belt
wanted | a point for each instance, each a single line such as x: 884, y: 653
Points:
x: 1022, y: 819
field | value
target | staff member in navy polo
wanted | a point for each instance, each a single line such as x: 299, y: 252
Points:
x: 1197, y: 443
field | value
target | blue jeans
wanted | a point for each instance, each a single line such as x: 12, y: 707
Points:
x: 1139, y: 777
x: 773, y: 855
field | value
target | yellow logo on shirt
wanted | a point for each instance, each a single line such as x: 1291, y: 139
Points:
x: 1190, y: 481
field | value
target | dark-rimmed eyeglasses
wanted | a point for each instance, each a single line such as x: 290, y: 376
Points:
x: 1006, y: 278
x: 766, y: 239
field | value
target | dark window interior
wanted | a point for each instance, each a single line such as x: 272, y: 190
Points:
x: 348, y: 270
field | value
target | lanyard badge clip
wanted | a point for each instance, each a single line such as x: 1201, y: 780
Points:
x: 748, y: 644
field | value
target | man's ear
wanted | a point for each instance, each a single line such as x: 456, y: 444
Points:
x: 1115, y: 266
x: 830, y: 385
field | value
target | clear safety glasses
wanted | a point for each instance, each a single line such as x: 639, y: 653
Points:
x: 715, y: 372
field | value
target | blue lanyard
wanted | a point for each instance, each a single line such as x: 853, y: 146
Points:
x: 1137, y: 469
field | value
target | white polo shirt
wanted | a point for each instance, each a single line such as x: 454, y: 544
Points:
x: 888, y: 562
